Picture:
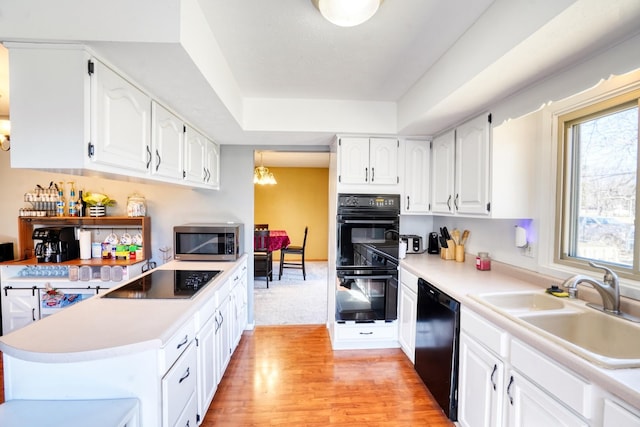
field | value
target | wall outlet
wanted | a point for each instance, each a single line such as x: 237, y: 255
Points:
x: 528, y: 250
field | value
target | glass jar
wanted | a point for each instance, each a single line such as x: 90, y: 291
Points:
x: 483, y: 262
x: 136, y: 205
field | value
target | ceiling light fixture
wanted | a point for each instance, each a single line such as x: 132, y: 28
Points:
x: 347, y: 13
x: 262, y: 176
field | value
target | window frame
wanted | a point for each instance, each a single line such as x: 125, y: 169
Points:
x: 566, y: 177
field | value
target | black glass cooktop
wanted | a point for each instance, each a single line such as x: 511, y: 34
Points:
x: 165, y: 284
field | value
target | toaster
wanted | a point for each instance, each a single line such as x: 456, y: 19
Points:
x: 414, y: 243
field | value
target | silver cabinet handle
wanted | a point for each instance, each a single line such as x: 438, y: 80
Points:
x: 493, y: 373
x: 184, y: 341
x: 148, y: 156
x: 455, y: 202
x: 158, y: 160
x: 408, y: 203
x: 373, y: 174
x: 509, y: 391
x: 366, y: 174
x: 33, y: 314
x: 184, y: 377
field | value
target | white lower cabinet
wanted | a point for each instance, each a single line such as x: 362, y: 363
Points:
x: 178, y: 389
x: 531, y: 406
x: 407, y: 313
x: 616, y: 415
x: 207, y: 375
x: 223, y: 332
x: 505, y: 382
x: 481, y: 385
x: 20, y: 307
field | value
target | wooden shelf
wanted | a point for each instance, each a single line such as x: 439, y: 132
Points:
x: 26, y: 224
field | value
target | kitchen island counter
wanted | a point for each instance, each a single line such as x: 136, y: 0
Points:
x: 103, y: 327
x: 461, y: 280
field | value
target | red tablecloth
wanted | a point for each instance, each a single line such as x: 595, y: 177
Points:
x: 278, y: 239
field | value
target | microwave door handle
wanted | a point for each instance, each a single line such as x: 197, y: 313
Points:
x: 367, y: 221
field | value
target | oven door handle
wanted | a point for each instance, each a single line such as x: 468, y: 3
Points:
x: 366, y: 221
x: 386, y: 276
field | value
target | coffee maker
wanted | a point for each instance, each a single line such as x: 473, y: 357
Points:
x: 57, y: 244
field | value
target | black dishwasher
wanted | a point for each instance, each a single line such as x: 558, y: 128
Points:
x: 437, y: 336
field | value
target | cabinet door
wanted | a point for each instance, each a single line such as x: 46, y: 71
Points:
x: 223, y: 338
x: 207, y: 381
x: 167, y: 143
x: 417, y: 164
x: 442, y: 173
x: 530, y: 406
x: 383, y: 161
x: 194, y: 157
x: 408, y: 307
x: 20, y: 307
x: 353, y: 160
x: 472, y: 166
x: 481, y: 385
x: 212, y: 164
x: 121, y: 117
x: 617, y: 416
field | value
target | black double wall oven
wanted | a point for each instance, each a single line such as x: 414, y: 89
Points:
x: 367, y: 257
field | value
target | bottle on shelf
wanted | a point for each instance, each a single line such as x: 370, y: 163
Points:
x: 60, y: 203
x: 73, y: 211
x: 81, y: 205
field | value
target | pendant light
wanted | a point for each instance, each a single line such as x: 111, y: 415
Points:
x: 347, y: 13
x: 262, y: 176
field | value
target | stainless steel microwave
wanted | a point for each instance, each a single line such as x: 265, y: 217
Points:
x: 207, y: 242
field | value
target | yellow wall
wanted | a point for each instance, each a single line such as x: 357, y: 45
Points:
x: 299, y: 199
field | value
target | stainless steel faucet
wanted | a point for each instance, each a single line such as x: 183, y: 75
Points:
x: 609, y: 288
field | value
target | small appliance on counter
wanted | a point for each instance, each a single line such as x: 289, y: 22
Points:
x: 57, y: 244
x: 434, y: 247
x: 414, y: 243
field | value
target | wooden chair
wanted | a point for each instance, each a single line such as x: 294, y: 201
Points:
x: 258, y: 227
x: 262, y: 256
x: 294, y: 250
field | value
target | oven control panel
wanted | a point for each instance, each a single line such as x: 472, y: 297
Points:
x: 368, y: 200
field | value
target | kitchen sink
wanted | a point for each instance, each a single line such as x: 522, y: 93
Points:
x: 601, y: 338
x: 522, y: 302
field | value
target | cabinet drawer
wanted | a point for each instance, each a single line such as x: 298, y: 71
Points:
x: 176, y: 345
x: 366, y: 331
x: 178, y: 386
x: 409, y: 279
x: 567, y: 387
x: 189, y: 416
x: 617, y: 416
x: 492, y: 337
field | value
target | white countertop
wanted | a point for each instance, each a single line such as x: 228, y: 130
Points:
x: 107, y: 327
x: 460, y: 280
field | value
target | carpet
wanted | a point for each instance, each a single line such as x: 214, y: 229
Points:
x: 292, y: 300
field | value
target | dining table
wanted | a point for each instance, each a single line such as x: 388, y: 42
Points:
x: 278, y: 239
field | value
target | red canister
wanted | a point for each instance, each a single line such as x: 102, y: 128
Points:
x: 483, y: 262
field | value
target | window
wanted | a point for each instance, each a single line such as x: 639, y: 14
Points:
x: 598, y: 183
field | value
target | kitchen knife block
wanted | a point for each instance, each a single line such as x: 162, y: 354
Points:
x: 449, y: 252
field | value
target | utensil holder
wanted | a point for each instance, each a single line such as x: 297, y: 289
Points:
x: 449, y: 252
x: 460, y: 253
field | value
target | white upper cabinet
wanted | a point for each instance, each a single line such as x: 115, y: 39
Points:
x: 442, y: 173
x: 460, y: 172
x: 120, y: 118
x: 417, y: 161
x: 201, y: 160
x: 372, y: 161
x: 72, y: 113
x: 480, y: 170
x: 472, y: 166
x: 167, y: 143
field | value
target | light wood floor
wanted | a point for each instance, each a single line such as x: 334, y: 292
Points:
x: 289, y: 375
